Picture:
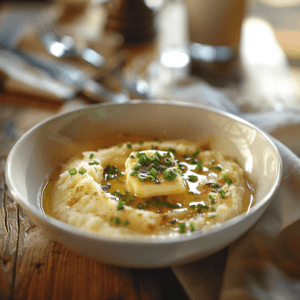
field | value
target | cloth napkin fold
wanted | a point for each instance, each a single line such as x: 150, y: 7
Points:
x: 265, y: 262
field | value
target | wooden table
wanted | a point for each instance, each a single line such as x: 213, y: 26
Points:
x: 32, y: 266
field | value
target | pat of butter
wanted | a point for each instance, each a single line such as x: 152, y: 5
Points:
x: 150, y: 188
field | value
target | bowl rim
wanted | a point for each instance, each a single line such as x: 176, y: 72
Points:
x: 145, y: 240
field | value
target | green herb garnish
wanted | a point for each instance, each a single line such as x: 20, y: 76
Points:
x: 158, y: 155
x: 195, y: 153
x: 91, y: 155
x: 141, y: 177
x: 212, y: 199
x: 134, y: 173
x: 227, y: 179
x: 126, y: 222
x: 136, y: 167
x: 192, y: 178
x: 222, y: 193
x: 215, y: 185
x: 199, y: 165
x: 172, y: 150
x: 182, y: 227
x: 93, y: 163
x: 200, y: 206
x: 170, y: 175
x: 132, y: 156
x: 82, y: 170
x: 192, y: 226
x: 211, y: 217
x: 153, y: 172
x: 72, y: 171
x: 120, y: 205
x: 217, y: 168
x: 168, y: 161
x: 117, y: 221
x: 129, y: 146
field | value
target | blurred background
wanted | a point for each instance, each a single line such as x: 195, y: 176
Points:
x: 57, y: 55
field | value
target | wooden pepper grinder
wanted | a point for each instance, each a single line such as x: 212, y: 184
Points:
x: 132, y: 18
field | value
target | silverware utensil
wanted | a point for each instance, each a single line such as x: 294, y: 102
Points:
x: 70, y: 75
x: 60, y: 45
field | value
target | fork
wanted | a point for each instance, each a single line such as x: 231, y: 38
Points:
x: 60, y: 45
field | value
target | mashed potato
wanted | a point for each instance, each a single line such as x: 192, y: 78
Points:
x: 118, y: 191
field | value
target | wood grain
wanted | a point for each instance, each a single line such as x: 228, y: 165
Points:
x: 35, y: 267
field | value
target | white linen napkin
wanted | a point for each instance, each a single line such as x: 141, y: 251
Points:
x: 265, y: 262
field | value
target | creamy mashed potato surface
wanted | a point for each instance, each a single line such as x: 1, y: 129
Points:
x: 118, y: 191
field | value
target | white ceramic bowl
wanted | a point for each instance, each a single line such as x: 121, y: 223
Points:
x: 42, y: 148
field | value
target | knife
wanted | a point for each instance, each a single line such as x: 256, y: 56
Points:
x: 70, y: 75
x: 63, y: 72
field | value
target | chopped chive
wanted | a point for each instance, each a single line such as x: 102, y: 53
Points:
x: 126, y: 222
x: 186, y: 149
x: 172, y: 150
x: 211, y: 217
x: 168, y: 154
x: 157, y: 140
x: 153, y: 172
x: 185, y: 156
x: 199, y: 165
x: 120, y: 205
x: 200, y: 206
x: 143, y: 159
x: 192, y: 178
x: 111, y: 218
x: 170, y: 175
x: 132, y: 156
x: 93, y: 163
x: 129, y: 146
x: 130, y: 199
x: 140, y: 206
x: 141, y: 143
x: 178, y: 171
x: 157, y: 203
x: 222, y: 193
x: 136, y: 167
x: 212, y: 199
x: 227, y: 179
x: 141, y: 178
x: 182, y: 227
x: 152, y: 146
x: 91, y: 155
x: 158, y: 155
x: 120, y: 144
x: 196, y: 153
x: 150, y: 177
x: 72, y: 171
x: 168, y: 161
x: 217, y: 168
x: 192, y: 226
x: 117, y: 221
x: 215, y: 185
x: 213, y: 209
x: 82, y: 170
x: 134, y: 173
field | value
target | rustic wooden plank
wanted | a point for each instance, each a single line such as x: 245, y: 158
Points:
x: 48, y: 270
x: 8, y: 237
